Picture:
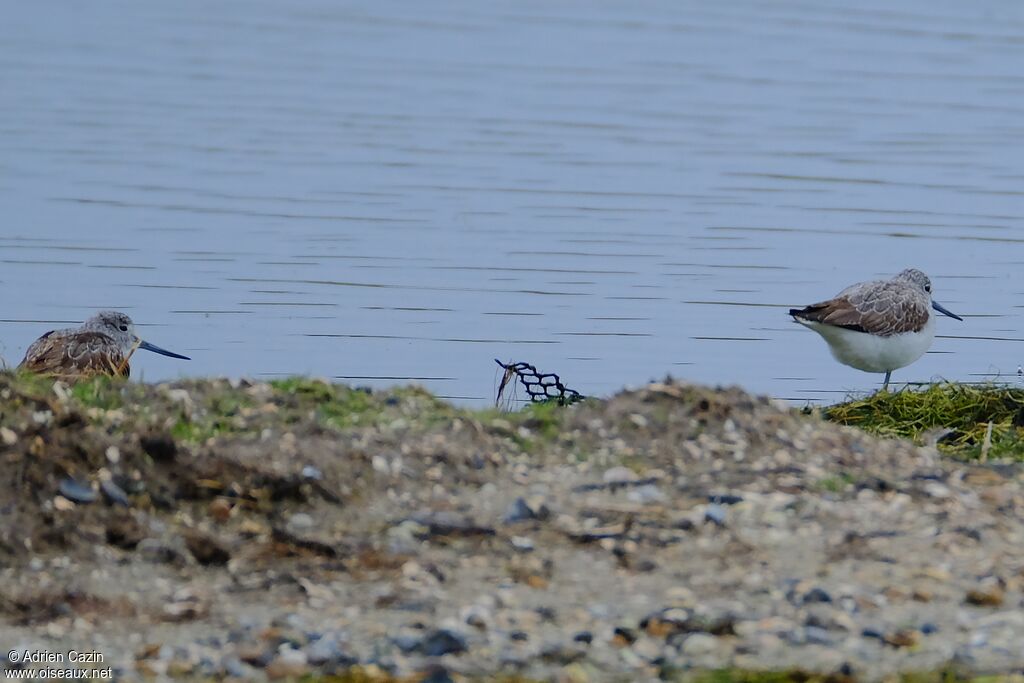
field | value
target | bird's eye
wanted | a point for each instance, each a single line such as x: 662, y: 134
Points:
x: 123, y: 328
x: 928, y: 288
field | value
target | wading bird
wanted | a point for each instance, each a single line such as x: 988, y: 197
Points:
x: 101, y: 346
x: 877, y: 326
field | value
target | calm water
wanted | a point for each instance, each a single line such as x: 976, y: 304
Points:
x: 382, y: 192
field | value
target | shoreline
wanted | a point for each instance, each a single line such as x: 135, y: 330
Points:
x: 207, y: 528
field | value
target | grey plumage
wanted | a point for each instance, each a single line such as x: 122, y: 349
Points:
x: 101, y: 346
x: 880, y: 307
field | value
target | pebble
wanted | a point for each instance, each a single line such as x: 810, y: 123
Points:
x: 404, y: 538
x: 328, y: 649
x: 290, y: 655
x: 646, y: 495
x: 648, y: 648
x: 300, y: 521
x: 715, y: 514
x: 818, y: 636
x: 902, y: 638
x: 619, y: 475
x: 407, y: 643
x: 522, y: 543
x: 441, y: 642
x: 289, y: 663
x: 8, y: 436
x: 311, y: 473
x: 698, y: 644
x: 477, y: 616
x: 523, y: 510
x: 77, y: 492
x: 816, y: 594
x: 236, y: 668
x: 623, y: 636
x: 114, y: 493
x: 985, y: 595
x: 724, y: 498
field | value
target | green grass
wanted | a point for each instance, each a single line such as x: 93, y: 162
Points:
x: 99, y: 392
x: 965, y: 409
x: 544, y: 418
x: 837, y: 483
x: 305, y: 387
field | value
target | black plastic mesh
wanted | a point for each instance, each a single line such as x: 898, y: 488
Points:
x: 539, y: 386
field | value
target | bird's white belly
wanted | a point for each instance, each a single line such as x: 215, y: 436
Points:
x: 871, y: 353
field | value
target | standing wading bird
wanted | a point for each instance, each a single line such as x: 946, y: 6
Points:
x: 101, y: 346
x: 877, y: 326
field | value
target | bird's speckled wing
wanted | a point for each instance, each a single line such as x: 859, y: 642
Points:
x: 75, y: 354
x: 882, y: 307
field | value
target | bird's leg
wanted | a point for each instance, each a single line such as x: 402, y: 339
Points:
x: 885, y: 384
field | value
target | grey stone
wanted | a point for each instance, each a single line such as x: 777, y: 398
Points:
x: 77, y: 492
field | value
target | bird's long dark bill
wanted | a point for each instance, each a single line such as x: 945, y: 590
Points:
x: 163, y: 352
x: 941, y: 309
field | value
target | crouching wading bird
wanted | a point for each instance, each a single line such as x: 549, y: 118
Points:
x: 877, y: 326
x: 101, y: 346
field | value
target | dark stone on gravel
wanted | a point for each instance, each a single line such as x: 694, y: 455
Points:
x: 77, y: 492
x: 673, y: 621
x: 816, y: 594
x: 451, y: 524
x: 547, y: 613
x: 124, y: 532
x: 903, y: 638
x: 644, y: 566
x: 258, y: 657
x: 615, y: 485
x: 560, y: 654
x: 522, y: 510
x: 441, y: 642
x: 206, y: 549
x: 625, y: 634
x: 874, y: 484
x: 584, y: 637
x: 312, y: 545
x: 725, y: 498
x: 160, y: 447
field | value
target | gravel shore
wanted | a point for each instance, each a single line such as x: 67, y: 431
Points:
x: 258, y: 531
